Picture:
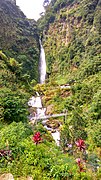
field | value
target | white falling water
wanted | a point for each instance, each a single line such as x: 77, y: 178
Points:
x: 36, y: 102
x: 56, y: 137
x: 42, y: 64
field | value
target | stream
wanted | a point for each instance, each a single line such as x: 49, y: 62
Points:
x: 36, y: 102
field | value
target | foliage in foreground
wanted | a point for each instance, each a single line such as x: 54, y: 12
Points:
x: 27, y: 158
x: 42, y: 160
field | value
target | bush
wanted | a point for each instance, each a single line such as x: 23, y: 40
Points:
x: 11, y: 137
x: 14, y: 108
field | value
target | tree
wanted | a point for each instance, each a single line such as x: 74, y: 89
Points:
x: 14, y: 108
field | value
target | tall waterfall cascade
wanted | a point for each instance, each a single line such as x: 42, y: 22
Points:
x: 42, y: 64
x: 36, y: 102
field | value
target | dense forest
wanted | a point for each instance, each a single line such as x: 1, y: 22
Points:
x: 70, y: 31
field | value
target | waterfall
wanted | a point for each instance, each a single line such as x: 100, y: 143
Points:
x: 36, y: 102
x: 42, y: 64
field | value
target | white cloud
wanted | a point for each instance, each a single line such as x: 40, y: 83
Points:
x: 31, y: 8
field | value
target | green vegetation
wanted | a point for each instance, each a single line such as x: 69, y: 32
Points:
x: 74, y: 45
x: 19, y: 38
x: 71, y: 37
x: 27, y: 158
x: 43, y: 160
x: 14, y: 91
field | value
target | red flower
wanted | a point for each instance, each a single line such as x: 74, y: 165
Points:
x: 4, y: 153
x: 36, y: 138
x: 80, y: 165
x: 78, y: 161
x: 80, y: 144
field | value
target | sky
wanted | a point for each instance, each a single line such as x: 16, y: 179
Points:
x: 31, y: 8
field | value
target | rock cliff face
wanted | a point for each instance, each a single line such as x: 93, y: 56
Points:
x: 72, y: 36
x: 19, y: 37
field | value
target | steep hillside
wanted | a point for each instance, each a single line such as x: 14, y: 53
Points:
x: 19, y: 55
x: 19, y: 38
x: 72, y: 41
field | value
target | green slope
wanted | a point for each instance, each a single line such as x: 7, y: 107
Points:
x: 72, y: 40
x: 19, y: 38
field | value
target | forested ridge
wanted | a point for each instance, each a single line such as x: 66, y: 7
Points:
x: 70, y: 31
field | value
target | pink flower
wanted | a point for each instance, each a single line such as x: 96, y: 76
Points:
x: 80, y: 144
x: 69, y: 145
x: 36, y: 138
x: 78, y: 161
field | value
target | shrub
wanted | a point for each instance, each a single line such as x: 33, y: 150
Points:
x: 14, y: 108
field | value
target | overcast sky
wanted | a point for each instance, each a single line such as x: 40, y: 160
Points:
x: 31, y: 8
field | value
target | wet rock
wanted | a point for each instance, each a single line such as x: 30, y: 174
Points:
x: 48, y: 128
x: 53, y: 130
x: 53, y: 124
x: 50, y: 109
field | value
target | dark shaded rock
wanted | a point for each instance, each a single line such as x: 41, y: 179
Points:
x: 53, y: 131
x: 52, y: 124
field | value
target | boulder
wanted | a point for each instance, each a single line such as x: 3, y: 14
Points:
x: 53, y: 124
x: 7, y: 176
x: 50, y: 109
